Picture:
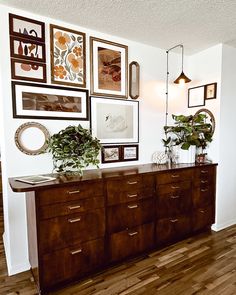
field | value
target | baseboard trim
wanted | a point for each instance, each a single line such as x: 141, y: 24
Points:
x: 217, y: 227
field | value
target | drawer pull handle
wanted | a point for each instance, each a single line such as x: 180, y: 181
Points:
x: 175, y: 175
x: 132, y: 182
x: 204, y: 189
x: 174, y: 197
x: 175, y: 186
x: 74, y: 192
x: 134, y: 233
x: 76, y: 252
x: 74, y: 207
x: 73, y: 220
x: 132, y: 196
x: 202, y: 211
x: 174, y: 220
x: 132, y: 206
x: 204, y: 171
x: 204, y: 181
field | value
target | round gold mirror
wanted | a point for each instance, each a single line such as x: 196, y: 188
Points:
x: 31, y: 138
x: 209, y: 118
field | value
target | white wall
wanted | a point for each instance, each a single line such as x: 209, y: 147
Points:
x: 152, y: 117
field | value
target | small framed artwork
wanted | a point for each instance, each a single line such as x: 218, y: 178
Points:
x: 196, y: 97
x: 68, y: 59
x: 28, y: 70
x: 210, y: 91
x: 49, y: 102
x: 27, y: 28
x: 108, y: 72
x: 130, y: 152
x: 111, y: 154
x: 114, y: 120
x: 27, y: 49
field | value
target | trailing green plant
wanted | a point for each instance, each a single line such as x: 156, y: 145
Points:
x: 73, y: 149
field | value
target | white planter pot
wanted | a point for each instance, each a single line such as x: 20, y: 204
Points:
x: 185, y: 156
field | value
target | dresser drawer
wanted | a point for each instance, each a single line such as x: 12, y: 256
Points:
x: 172, y: 229
x: 204, y: 175
x: 203, y: 217
x: 70, y: 193
x: 67, y: 230
x: 174, y: 204
x: 174, y: 176
x: 131, y: 241
x: 203, y: 196
x: 72, y: 262
x: 67, y: 208
x: 129, y: 215
x: 173, y: 188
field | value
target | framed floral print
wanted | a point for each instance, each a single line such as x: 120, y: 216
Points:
x: 68, y: 59
x: 210, y: 91
x: 108, y: 72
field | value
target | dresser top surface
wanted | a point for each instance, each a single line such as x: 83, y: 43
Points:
x: 99, y: 174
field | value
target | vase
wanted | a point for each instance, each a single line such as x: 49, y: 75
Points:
x: 185, y: 156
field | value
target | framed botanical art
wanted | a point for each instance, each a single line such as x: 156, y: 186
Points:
x: 114, y: 120
x: 108, y: 72
x: 68, y: 59
x: 196, y: 97
x: 27, y: 28
x: 130, y: 152
x: 210, y: 91
x: 111, y: 154
x: 49, y: 102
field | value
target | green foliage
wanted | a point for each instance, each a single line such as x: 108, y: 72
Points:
x: 187, y: 131
x: 73, y: 149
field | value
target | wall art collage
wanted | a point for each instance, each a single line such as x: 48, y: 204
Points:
x: 114, y: 119
x: 197, y: 96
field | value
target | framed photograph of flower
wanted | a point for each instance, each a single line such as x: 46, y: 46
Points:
x: 108, y: 68
x: 114, y: 120
x: 68, y: 59
x: 31, y: 100
x: 210, y: 91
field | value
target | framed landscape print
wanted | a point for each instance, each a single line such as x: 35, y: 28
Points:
x: 111, y: 154
x: 196, y: 97
x: 108, y: 72
x: 210, y: 91
x: 68, y: 59
x: 130, y: 152
x: 49, y: 102
x: 114, y: 120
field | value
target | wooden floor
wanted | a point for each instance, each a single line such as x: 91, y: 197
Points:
x: 205, y: 264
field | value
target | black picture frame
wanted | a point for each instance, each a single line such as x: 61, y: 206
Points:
x: 111, y: 154
x: 210, y: 93
x: 196, y: 96
x: 130, y: 157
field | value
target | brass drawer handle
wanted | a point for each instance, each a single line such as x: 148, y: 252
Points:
x: 204, y: 181
x: 204, y: 189
x: 132, y: 196
x: 73, y: 220
x: 74, y: 192
x: 132, y: 182
x: 174, y: 197
x: 134, y: 233
x: 174, y: 220
x: 76, y: 251
x: 74, y: 207
x: 175, y: 175
x: 204, y: 171
x: 202, y: 211
x: 132, y: 206
x: 175, y: 186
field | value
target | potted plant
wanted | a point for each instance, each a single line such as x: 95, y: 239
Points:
x: 73, y: 149
x: 187, y: 132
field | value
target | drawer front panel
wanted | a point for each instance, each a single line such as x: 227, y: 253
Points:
x: 206, y: 173
x: 169, y: 205
x: 175, y: 176
x: 172, y: 229
x: 67, y: 208
x: 203, y: 217
x: 129, y: 215
x: 203, y: 196
x: 72, y: 262
x: 70, y: 193
x: 173, y: 188
x: 62, y: 231
x: 130, y: 242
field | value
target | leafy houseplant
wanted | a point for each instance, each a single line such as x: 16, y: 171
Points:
x: 73, y: 149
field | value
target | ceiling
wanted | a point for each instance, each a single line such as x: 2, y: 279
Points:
x: 198, y: 24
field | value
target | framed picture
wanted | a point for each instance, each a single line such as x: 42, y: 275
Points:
x: 196, y: 97
x: 130, y: 152
x: 111, y: 154
x: 68, y: 59
x: 28, y: 70
x: 26, y: 28
x: 114, y: 120
x: 49, y: 102
x: 108, y: 74
x: 210, y: 91
x: 27, y: 49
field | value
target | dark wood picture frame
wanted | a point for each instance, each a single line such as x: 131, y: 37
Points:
x: 134, y: 86
x: 94, y: 73
x: 22, y: 35
x: 110, y: 147
x: 28, y: 78
x: 130, y: 158
x: 50, y: 115
x: 193, y: 93
x: 213, y: 95
x: 53, y: 53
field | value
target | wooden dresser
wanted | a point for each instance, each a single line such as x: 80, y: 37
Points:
x: 80, y: 225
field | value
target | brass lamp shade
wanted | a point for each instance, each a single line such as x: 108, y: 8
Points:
x: 182, y: 78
